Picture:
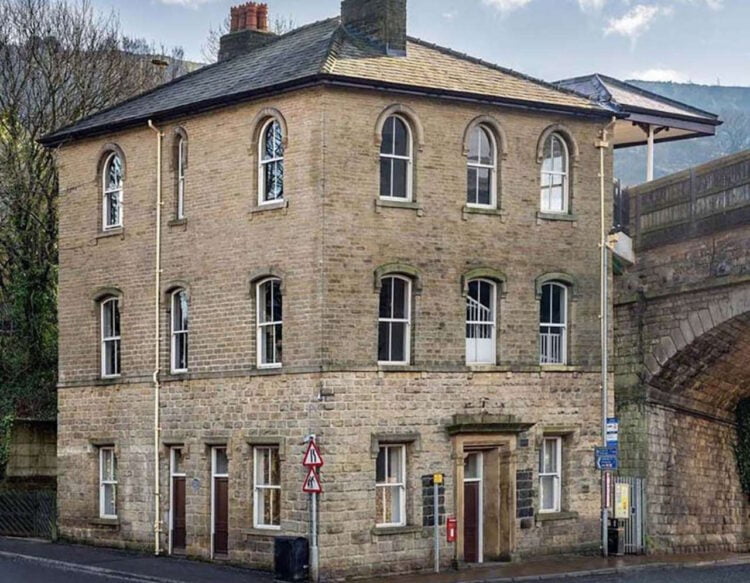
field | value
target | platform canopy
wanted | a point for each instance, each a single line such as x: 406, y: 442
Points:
x: 643, y: 117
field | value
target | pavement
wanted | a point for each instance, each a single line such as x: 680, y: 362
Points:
x: 27, y: 560
x: 103, y: 563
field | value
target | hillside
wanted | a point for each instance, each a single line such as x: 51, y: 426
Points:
x: 731, y: 103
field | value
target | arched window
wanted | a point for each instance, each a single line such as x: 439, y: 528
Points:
x: 112, y: 192
x: 181, y: 167
x: 555, y: 174
x: 396, y: 160
x: 480, y: 322
x: 271, y: 172
x: 110, y: 337
x: 553, y: 324
x: 269, y: 323
x: 481, y: 168
x: 394, y: 320
x: 180, y: 326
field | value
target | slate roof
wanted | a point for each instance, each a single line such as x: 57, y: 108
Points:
x: 325, y: 52
x: 623, y: 97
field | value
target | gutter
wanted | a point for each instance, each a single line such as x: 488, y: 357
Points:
x: 62, y: 136
x: 157, y: 343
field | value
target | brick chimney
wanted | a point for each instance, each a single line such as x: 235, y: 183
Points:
x: 248, y: 30
x: 383, y: 22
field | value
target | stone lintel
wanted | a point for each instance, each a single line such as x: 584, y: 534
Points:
x: 486, y: 424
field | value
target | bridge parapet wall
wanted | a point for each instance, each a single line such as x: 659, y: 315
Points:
x: 699, y: 201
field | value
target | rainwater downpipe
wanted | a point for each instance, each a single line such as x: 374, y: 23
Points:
x: 602, y: 145
x: 157, y: 342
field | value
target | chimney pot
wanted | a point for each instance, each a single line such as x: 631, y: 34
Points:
x: 263, y: 17
x: 248, y: 30
x: 252, y: 15
x: 241, y: 18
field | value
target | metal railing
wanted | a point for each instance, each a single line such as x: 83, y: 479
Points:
x: 28, y: 513
x: 552, y: 346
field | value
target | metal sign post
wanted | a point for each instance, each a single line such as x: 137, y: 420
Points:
x: 312, y: 461
x: 437, y: 479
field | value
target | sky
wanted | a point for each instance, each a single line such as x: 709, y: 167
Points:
x: 699, y: 41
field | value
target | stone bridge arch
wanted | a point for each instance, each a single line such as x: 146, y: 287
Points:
x: 682, y: 354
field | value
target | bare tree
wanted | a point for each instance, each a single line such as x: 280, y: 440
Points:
x: 59, y: 62
x: 210, y: 49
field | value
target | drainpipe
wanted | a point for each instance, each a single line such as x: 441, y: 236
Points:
x: 650, y: 155
x: 602, y: 145
x: 157, y: 342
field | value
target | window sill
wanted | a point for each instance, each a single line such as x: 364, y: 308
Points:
x: 481, y: 210
x: 260, y: 532
x: 110, y: 380
x: 570, y: 218
x: 553, y: 516
x: 395, y: 367
x: 270, y: 206
x: 398, y: 204
x: 394, y: 530
x: 112, y: 522
x: 109, y: 233
x: 559, y: 368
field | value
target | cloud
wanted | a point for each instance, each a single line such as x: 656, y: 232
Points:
x: 713, y: 4
x: 669, y: 75
x: 505, y: 6
x: 591, y: 5
x: 186, y: 3
x: 636, y: 21
x: 450, y: 15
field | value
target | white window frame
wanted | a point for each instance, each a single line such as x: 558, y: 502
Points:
x: 262, y: 163
x: 391, y: 320
x: 562, y: 327
x: 492, y: 322
x: 557, y: 475
x: 409, y: 161
x: 261, y: 325
x: 105, y: 340
x: 105, y: 483
x: 257, y: 487
x: 547, y: 176
x: 106, y: 192
x: 400, y: 486
x: 174, y: 369
x: 479, y: 166
x: 181, y: 158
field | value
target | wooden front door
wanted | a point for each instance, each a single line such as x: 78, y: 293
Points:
x: 473, y: 508
x: 221, y: 516
x: 220, y: 502
x: 471, y: 522
x: 179, y: 531
x: 177, y: 525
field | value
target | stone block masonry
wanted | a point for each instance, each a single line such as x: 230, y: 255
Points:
x: 325, y: 244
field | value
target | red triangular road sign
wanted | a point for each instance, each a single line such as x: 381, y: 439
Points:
x: 312, y: 458
x: 312, y: 483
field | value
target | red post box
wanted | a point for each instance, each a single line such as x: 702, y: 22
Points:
x: 450, y: 529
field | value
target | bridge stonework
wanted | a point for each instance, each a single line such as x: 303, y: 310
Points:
x: 682, y: 353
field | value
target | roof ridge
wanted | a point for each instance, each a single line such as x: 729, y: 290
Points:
x: 496, y: 67
x: 648, y: 93
x: 332, y: 53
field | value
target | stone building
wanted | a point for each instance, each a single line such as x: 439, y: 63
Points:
x: 341, y: 231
